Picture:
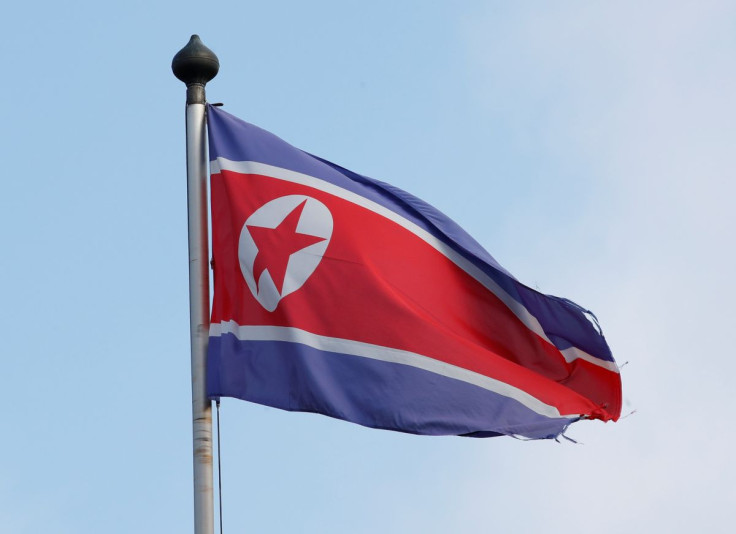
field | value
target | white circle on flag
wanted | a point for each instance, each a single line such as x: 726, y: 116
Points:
x: 293, y: 233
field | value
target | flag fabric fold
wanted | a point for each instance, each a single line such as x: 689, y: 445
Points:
x: 342, y: 295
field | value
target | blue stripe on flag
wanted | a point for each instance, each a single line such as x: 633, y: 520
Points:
x: 373, y: 393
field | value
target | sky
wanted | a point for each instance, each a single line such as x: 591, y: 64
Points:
x: 589, y: 146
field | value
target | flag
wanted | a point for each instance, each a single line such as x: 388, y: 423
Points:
x: 342, y: 295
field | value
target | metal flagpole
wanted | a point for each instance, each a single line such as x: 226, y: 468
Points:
x: 195, y: 65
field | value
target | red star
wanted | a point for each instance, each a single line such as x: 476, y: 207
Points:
x: 276, y: 245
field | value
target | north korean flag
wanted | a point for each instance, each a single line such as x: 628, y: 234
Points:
x: 338, y: 294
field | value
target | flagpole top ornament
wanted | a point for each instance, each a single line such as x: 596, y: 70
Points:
x: 195, y: 65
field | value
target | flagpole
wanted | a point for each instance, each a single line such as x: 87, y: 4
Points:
x: 195, y: 65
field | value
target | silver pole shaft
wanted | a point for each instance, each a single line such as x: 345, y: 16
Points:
x: 199, y: 322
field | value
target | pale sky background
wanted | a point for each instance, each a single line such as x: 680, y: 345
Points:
x: 589, y: 146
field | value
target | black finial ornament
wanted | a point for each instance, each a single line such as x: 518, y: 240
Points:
x: 195, y: 65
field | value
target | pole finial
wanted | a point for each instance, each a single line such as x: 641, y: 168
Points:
x: 195, y: 63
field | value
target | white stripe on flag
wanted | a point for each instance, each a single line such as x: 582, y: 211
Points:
x: 574, y: 353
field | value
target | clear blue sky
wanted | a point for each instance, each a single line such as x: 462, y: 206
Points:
x: 589, y: 146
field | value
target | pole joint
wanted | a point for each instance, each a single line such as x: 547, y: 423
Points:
x: 195, y: 93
